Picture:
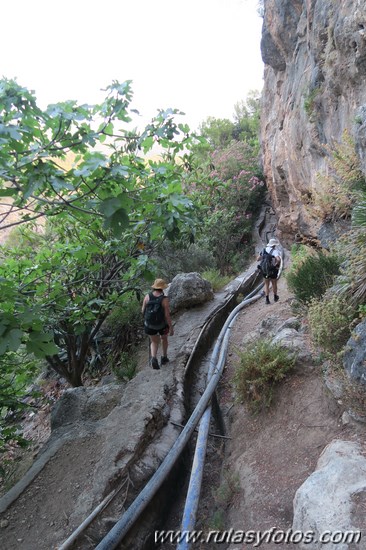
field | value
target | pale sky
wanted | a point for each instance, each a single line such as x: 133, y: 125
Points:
x: 200, y: 56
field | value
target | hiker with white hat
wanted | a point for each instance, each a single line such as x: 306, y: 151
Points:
x: 270, y: 258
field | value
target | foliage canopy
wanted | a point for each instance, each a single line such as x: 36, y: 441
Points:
x: 106, y: 203
x: 90, y: 201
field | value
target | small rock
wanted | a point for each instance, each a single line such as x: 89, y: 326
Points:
x: 346, y: 419
x: 4, y: 523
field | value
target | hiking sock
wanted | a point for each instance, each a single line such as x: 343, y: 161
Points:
x: 155, y: 363
x: 164, y: 360
x: 267, y: 300
x: 276, y: 298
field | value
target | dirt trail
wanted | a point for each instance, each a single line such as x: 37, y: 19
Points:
x: 270, y: 455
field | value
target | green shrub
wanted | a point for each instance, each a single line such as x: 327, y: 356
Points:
x: 18, y: 372
x: 126, y: 367
x: 313, y: 276
x: 309, y: 102
x: 261, y: 365
x: 217, y: 280
x: 127, y: 313
x: 217, y: 522
x: 338, y: 187
x: 122, y: 332
x: 330, y: 322
x: 172, y: 259
x: 229, y: 485
x: 362, y: 311
x: 352, y: 282
x: 299, y: 253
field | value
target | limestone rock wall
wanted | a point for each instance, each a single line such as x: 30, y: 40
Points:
x: 314, y: 53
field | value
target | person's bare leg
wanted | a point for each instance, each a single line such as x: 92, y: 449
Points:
x: 154, y: 346
x: 274, y: 286
x: 164, y: 345
x: 266, y: 290
x: 266, y: 287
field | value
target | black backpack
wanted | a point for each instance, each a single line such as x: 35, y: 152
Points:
x: 266, y: 266
x: 154, y: 312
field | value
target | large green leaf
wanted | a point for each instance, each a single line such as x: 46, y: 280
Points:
x: 117, y: 222
x: 41, y: 344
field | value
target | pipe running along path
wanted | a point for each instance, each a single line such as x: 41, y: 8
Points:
x: 217, y: 363
x: 195, y: 483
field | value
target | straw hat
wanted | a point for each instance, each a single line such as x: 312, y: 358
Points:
x: 159, y: 284
x: 273, y: 242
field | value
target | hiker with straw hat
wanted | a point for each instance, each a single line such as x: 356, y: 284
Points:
x: 157, y: 321
x: 271, y: 276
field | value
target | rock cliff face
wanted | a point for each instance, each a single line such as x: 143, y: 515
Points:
x: 314, y: 53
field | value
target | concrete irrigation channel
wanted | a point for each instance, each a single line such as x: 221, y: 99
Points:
x: 150, y: 510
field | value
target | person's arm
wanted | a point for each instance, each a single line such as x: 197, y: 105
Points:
x: 278, y: 258
x: 146, y: 299
x: 167, y: 315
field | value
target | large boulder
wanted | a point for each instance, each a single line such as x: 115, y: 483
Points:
x: 86, y: 404
x: 187, y: 290
x: 354, y: 359
x: 293, y: 341
x: 330, y: 499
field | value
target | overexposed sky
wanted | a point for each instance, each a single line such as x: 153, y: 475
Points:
x: 200, y: 56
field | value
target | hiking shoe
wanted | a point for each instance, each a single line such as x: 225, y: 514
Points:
x: 276, y: 298
x: 267, y: 300
x: 164, y: 360
x: 155, y: 363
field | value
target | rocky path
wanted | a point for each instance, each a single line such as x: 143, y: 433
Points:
x: 270, y: 455
x: 101, y: 438
x: 266, y: 459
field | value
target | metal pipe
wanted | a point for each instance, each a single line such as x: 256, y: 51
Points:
x: 194, y: 488
x: 195, y: 483
x: 72, y: 538
x: 114, y: 537
x: 124, y: 524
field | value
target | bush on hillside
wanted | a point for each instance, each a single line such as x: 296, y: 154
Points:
x: 262, y: 364
x: 217, y: 280
x: 125, y: 368
x: 229, y: 191
x: 299, y: 253
x: 339, y: 186
x: 330, y: 321
x: 352, y: 282
x: 172, y: 260
x: 313, y: 276
x: 115, y: 348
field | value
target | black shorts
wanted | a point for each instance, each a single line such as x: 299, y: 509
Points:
x: 273, y: 276
x: 153, y: 331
